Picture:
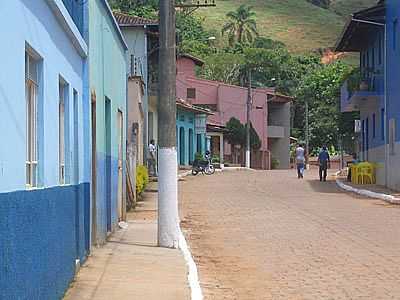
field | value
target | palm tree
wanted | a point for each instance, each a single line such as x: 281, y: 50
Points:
x: 241, y: 26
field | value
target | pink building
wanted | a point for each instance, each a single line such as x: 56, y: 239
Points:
x: 270, y: 114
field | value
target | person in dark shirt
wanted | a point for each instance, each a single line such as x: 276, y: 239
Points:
x: 324, y: 161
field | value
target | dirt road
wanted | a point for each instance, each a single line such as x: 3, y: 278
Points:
x: 268, y: 235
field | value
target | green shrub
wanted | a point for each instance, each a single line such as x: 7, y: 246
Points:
x: 198, y: 156
x: 215, y: 159
x: 274, y: 163
x: 142, y: 179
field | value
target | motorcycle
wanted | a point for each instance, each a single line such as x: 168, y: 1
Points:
x: 203, y: 167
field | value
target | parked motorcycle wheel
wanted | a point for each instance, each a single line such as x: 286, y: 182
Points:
x: 195, y: 172
x: 209, y: 170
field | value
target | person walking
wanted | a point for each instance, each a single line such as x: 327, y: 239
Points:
x: 323, y: 161
x: 300, y: 161
x: 152, y: 160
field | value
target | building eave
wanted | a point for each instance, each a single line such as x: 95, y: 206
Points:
x: 115, y: 24
x: 66, y: 22
x: 352, y: 36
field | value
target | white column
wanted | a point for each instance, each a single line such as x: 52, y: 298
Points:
x: 168, y: 218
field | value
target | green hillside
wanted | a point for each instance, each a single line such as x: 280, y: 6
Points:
x: 301, y: 25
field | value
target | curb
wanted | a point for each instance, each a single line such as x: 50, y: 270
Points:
x: 193, y: 277
x: 385, y: 197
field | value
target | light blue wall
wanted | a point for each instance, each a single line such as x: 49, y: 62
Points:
x: 186, y: 120
x: 34, y: 23
x: 42, y: 231
x: 107, y: 79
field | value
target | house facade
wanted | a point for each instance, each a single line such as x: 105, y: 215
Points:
x: 191, y: 128
x: 270, y: 113
x: 139, y: 34
x: 108, y: 94
x: 376, y: 101
x: 393, y: 93
x: 44, y: 174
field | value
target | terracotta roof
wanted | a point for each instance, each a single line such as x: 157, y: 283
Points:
x: 196, y: 60
x: 126, y: 20
x: 186, y: 105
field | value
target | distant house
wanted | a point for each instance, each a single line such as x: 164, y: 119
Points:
x: 364, y: 33
x: 45, y: 150
x: 270, y: 114
x: 139, y: 33
x: 190, y: 131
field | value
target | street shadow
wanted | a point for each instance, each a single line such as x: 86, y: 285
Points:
x: 133, y: 244
x: 327, y: 187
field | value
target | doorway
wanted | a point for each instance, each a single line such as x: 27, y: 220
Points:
x: 120, y: 164
x: 182, y: 146
x: 107, y: 115
x: 94, y: 167
x: 191, y: 154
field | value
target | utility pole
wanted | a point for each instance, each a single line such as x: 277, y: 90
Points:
x: 248, y: 122
x: 168, y: 219
x: 307, y: 135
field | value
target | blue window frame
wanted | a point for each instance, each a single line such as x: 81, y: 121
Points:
x: 373, y: 125
x: 362, y: 135
x: 383, y: 124
x: 380, y: 46
x: 395, y: 24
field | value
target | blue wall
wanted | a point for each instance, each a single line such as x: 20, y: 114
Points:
x: 44, y: 230
x: 185, y: 120
x: 41, y: 235
x: 372, y: 69
x: 393, y: 65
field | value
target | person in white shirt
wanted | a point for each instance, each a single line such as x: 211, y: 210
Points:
x: 300, y: 161
x: 152, y: 160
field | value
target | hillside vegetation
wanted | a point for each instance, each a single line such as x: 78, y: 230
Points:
x: 301, y: 25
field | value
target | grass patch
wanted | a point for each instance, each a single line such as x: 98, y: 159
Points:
x: 299, y: 24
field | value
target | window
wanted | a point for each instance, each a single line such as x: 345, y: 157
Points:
x: 62, y: 89
x: 363, y: 60
x: 199, y: 144
x: 395, y: 34
x: 373, y: 126
x: 151, y: 125
x: 392, y: 136
x: 31, y: 95
x: 373, y: 58
x: 191, y: 93
x: 383, y: 124
x: 362, y: 135
x: 380, y: 46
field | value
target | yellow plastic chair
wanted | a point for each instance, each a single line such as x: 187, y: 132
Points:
x: 365, y: 174
x: 354, y: 174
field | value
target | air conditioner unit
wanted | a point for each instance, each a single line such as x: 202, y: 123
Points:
x: 357, y: 126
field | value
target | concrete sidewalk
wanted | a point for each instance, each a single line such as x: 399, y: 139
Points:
x: 131, y: 266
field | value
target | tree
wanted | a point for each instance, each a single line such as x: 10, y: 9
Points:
x: 236, y: 132
x: 321, y: 88
x: 241, y: 26
x: 225, y: 67
x: 236, y: 135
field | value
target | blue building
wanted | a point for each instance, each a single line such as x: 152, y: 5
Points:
x: 373, y: 33
x: 191, y: 129
x: 45, y: 151
x: 106, y: 87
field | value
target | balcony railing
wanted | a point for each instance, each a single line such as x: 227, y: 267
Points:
x: 356, y: 89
